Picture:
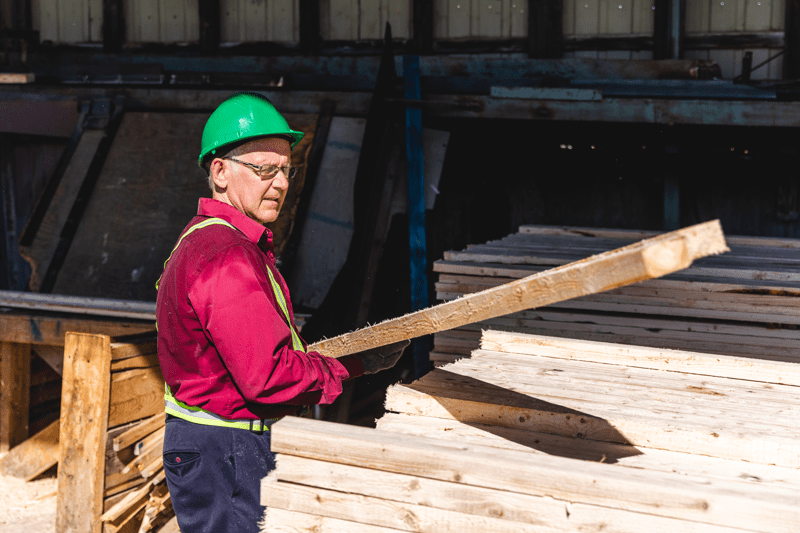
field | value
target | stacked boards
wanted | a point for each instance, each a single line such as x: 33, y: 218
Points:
x: 546, y: 434
x: 744, y: 303
x: 110, y: 472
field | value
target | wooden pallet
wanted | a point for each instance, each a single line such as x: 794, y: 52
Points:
x: 744, y: 303
x: 546, y: 434
x: 23, y: 334
x: 111, y: 476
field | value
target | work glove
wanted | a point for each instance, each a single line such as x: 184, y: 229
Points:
x: 382, y: 357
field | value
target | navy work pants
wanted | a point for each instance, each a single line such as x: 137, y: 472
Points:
x: 214, y: 476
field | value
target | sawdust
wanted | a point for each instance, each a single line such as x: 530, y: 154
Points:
x: 27, y: 507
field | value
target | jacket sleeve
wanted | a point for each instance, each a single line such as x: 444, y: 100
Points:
x: 235, y: 304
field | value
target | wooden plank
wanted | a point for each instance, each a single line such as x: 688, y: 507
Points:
x: 638, y: 457
x: 34, y: 456
x: 597, y: 417
x: 33, y: 328
x: 648, y: 259
x: 22, y: 77
x: 663, y: 494
x: 135, y: 394
x: 642, y: 357
x: 15, y: 384
x: 282, y: 521
x: 139, y: 431
x: 440, y: 506
x: 116, y: 461
x: 583, y: 232
x: 171, y: 526
x: 52, y: 355
x: 82, y: 438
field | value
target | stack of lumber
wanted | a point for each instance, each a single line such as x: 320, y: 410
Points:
x: 543, y: 434
x: 742, y: 303
x: 111, y: 475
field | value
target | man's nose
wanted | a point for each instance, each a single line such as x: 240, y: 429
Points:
x: 281, y: 181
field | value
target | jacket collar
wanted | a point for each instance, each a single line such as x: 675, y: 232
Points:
x: 209, y: 207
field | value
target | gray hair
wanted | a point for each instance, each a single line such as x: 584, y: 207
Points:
x: 236, y: 151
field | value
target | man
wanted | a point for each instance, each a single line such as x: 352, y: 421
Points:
x: 229, y: 350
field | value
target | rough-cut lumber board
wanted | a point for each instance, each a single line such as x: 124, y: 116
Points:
x: 642, y: 357
x: 390, y: 499
x: 663, y: 494
x: 127, y: 508
x: 644, y: 260
x: 171, y: 526
x: 591, y: 415
x: 640, y: 457
x: 116, y: 460
x: 139, y: 431
x: 571, y: 231
x: 25, y: 327
x: 15, y: 384
x: 82, y: 438
x: 135, y: 394
x: 34, y: 456
x: 282, y: 521
x: 136, y: 346
x: 21, y: 77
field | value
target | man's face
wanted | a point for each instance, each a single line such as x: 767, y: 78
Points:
x: 240, y: 186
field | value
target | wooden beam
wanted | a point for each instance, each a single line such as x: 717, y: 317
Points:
x: 34, y: 456
x: 139, y: 431
x: 545, y: 29
x: 449, y: 506
x: 664, y: 494
x: 15, y: 384
x: 647, y: 259
x: 82, y: 438
x: 135, y: 394
x: 32, y: 328
x: 642, y: 357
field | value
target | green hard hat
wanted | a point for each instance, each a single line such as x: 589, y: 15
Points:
x: 241, y: 117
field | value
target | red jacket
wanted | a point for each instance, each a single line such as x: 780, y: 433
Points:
x: 223, y: 342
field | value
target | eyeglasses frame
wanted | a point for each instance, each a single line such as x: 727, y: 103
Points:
x: 289, y: 171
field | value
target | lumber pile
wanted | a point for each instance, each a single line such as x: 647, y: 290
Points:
x: 111, y: 475
x: 742, y: 303
x: 545, y: 434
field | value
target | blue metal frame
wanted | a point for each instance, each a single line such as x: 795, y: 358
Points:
x: 416, y: 206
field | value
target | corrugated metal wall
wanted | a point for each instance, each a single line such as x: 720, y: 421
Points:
x: 176, y: 21
x: 473, y: 19
x: 162, y: 21
x: 736, y: 16
x: 352, y: 20
x: 68, y: 21
x: 260, y: 20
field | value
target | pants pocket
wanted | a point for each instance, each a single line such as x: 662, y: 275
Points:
x: 181, y: 463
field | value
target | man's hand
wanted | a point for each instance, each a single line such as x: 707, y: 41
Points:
x: 382, y: 357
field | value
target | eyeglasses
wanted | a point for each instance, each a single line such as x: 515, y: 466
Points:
x: 267, y: 172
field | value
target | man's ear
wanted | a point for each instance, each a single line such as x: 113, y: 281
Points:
x: 219, y: 174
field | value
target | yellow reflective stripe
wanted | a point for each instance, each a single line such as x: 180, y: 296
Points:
x: 297, y: 344
x: 175, y: 407
x: 205, y: 223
